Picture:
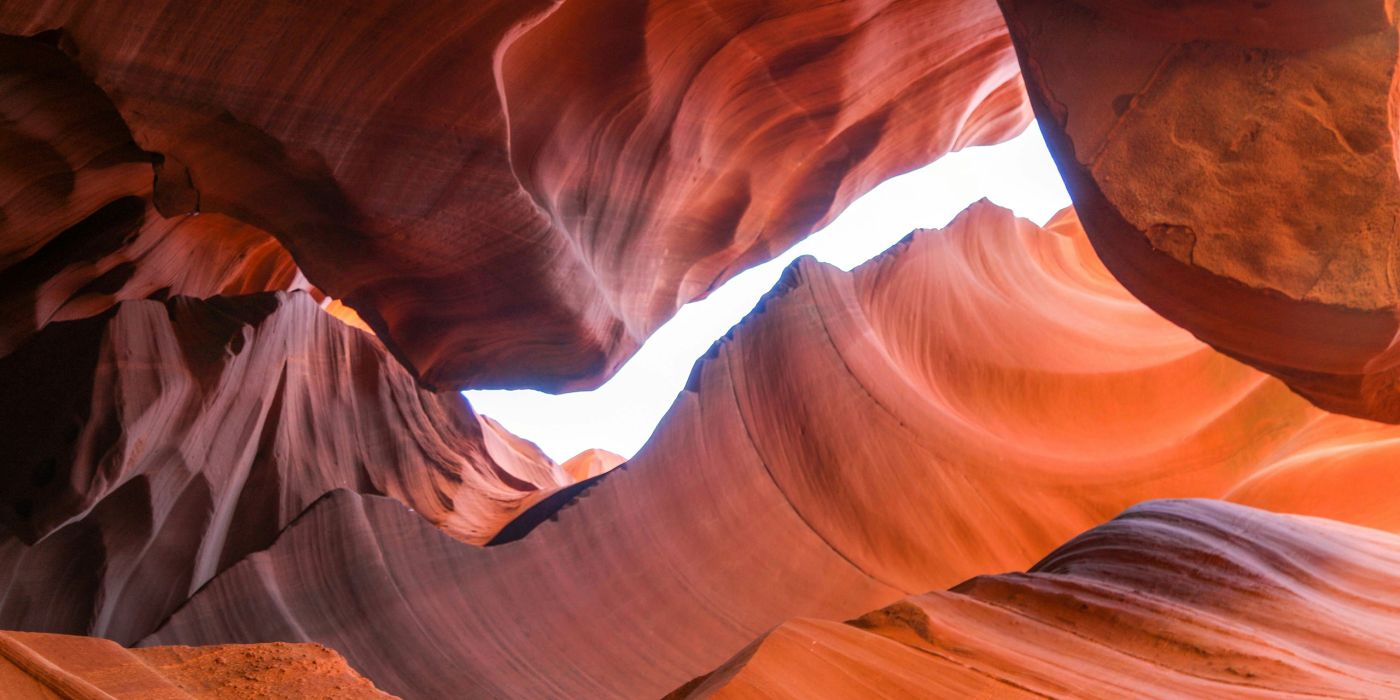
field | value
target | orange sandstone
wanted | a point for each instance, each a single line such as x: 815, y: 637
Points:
x: 960, y: 405
x: 62, y: 667
x: 159, y: 443
x: 1235, y: 166
x: 1195, y: 599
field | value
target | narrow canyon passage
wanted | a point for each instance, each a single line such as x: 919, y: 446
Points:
x: 619, y: 416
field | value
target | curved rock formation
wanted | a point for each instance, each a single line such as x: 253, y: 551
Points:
x: 960, y: 405
x: 1235, y: 166
x: 78, y: 229
x: 49, y: 666
x: 1198, y: 599
x: 154, y: 445
x: 67, y: 151
x: 518, y: 192
x: 502, y: 217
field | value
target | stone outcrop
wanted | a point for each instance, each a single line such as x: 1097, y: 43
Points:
x: 78, y: 229
x: 1235, y: 166
x: 249, y: 251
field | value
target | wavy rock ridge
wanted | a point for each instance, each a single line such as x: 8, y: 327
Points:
x: 1200, y: 599
x: 501, y: 217
x: 842, y: 449
x: 156, y: 444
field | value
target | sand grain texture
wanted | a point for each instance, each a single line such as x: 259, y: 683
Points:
x: 63, y: 667
x: 518, y: 192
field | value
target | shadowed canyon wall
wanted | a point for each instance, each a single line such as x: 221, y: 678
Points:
x: 502, y: 217
x: 248, y: 251
x: 78, y: 229
x: 156, y: 444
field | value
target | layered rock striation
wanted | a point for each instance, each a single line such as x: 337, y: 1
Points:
x: 502, y: 217
x: 158, y: 443
x: 49, y: 666
x: 243, y: 246
x: 79, y: 230
x: 852, y: 442
x: 1194, y: 598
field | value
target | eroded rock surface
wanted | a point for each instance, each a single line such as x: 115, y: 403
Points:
x: 78, y: 228
x: 1194, y: 598
x: 518, y: 192
x: 1235, y: 166
x: 961, y: 405
x: 156, y: 444
x: 500, y: 209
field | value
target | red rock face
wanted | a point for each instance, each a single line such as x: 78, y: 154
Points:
x: 78, y: 230
x: 502, y: 216
x: 67, y: 150
x: 157, y: 444
x: 1234, y: 165
x: 242, y: 245
x: 1171, y: 598
x: 849, y: 444
x: 44, y: 666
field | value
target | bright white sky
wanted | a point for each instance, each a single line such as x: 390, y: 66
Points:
x: 620, y: 415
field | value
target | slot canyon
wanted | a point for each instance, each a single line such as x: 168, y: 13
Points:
x: 252, y: 253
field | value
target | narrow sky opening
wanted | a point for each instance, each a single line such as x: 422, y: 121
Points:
x: 620, y: 415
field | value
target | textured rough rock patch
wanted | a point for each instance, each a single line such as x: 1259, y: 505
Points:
x: 1234, y: 164
x: 1199, y: 599
x: 44, y: 666
x: 590, y: 463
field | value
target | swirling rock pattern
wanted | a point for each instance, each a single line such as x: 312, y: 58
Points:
x: 518, y: 192
x: 49, y: 666
x: 1193, y: 598
x: 154, y: 445
x: 1235, y: 166
x: 503, y: 217
x: 854, y: 441
x: 67, y: 150
x: 78, y: 228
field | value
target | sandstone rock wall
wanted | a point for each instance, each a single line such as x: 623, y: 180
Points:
x: 518, y: 193
x: 1195, y: 598
x: 852, y: 442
